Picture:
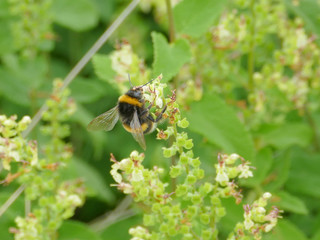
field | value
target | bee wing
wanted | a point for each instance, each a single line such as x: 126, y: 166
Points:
x: 137, y: 131
x: 105, y: 121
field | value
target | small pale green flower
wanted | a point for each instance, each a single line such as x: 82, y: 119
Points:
x: 136, y: 175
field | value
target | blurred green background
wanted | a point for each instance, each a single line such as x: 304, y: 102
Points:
x: 247, y: 77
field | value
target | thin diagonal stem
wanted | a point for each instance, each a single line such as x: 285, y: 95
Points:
x: 11, y: 199
x: 252, y: 46
x: 121, y: 212
x: 84, y: 60
x: 313, y: 127
x: 171, y: 22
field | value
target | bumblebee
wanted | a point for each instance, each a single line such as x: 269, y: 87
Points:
x: 131, y: 110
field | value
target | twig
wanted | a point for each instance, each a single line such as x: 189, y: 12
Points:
x: 119, y: 213
x: 11, y: 199
x: 84, y: 60
x: 27, y: 207
x: 252, y: 43
x: 313, y: 127
x: 171, y: 22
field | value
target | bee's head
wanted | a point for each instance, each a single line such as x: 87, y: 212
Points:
x: 135, y: 92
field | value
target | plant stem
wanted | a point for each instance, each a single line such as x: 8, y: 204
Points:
x: 313, y: 127
x: 27, y: 207
x: 171, y: 22
x: 11, y: 199
x: 173, y: 158
x: 119, y: 213
x: 252, y: 45
x: 84, y: 60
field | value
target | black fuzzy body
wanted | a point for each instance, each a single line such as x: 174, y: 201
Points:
x: 127, y: 108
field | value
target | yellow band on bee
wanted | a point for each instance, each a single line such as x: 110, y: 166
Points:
x: 130, y: 100
x: 144, y: 127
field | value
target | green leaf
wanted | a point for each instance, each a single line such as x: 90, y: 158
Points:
x: 7, y: 219
x: 215, y: 120
x: 94, y: 182
x: 287, y: 135
x: 103, y: 68
x: 304, y: 174
x: 20, y: 78
x: 234, y: 214
x: 120, y: 230
x: 309, y: 11
x: 86, y: 90
x: 105, y: 8
x: 6, y: 38
x: 280, y: 171
x: 285, y: 230
x: 290, y: 203
x: 194, y: 17
x: 4, y: 9
x: 98, y: 138
x: 73, y: 230
x: 316, y: 235
x: 168, y: 58
x: 31, y: 73
x: 262, y: 163
x: 77, y: 15
x: 13, y: 89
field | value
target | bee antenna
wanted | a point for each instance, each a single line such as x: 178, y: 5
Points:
x: 147, y: 83
x: 130, y: 79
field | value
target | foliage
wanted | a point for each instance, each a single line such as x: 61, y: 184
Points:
x: 245, y: 76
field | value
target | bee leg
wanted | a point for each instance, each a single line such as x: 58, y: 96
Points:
x: 146, y: 110
x: 159, y: 117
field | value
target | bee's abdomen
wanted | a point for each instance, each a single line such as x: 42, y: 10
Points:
x: 147, y: 127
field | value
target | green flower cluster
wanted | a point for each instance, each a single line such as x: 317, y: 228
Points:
x: 124, y: 61
x: 14, y: 148
x: 193, y: 209
x: 266, y: 85
x: 256, y: 219
x: 32, y: 27
x: 52, y: 200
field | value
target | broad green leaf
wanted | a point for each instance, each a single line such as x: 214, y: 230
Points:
x: 234, y: 214
x: 73, y: 230
x: 77, y: 15
x: 316, y: 235
x: 13, y: 89
x: 31, y: 73
x: 103, y: 68
x: 290, y: 203
x: 105, y: 8
x: 262, y: 163
x: 98, y: 139
x: 309, y: 11
x: 216, y: 121
x: 285, y: 230
x: 279, y: 172
x: 94, y: 182
x: 86, y: 90
x: 287, y: 135
x: 20, y: 78
x: 304, y: 174
x: 4, y: 9
x: 194, y: 17
x: 7, y: 219
x: 168, y: 58
x: 6, y: 38
x: 120, y: 230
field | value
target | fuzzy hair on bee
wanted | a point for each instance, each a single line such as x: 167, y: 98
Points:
x: 133, y: 114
